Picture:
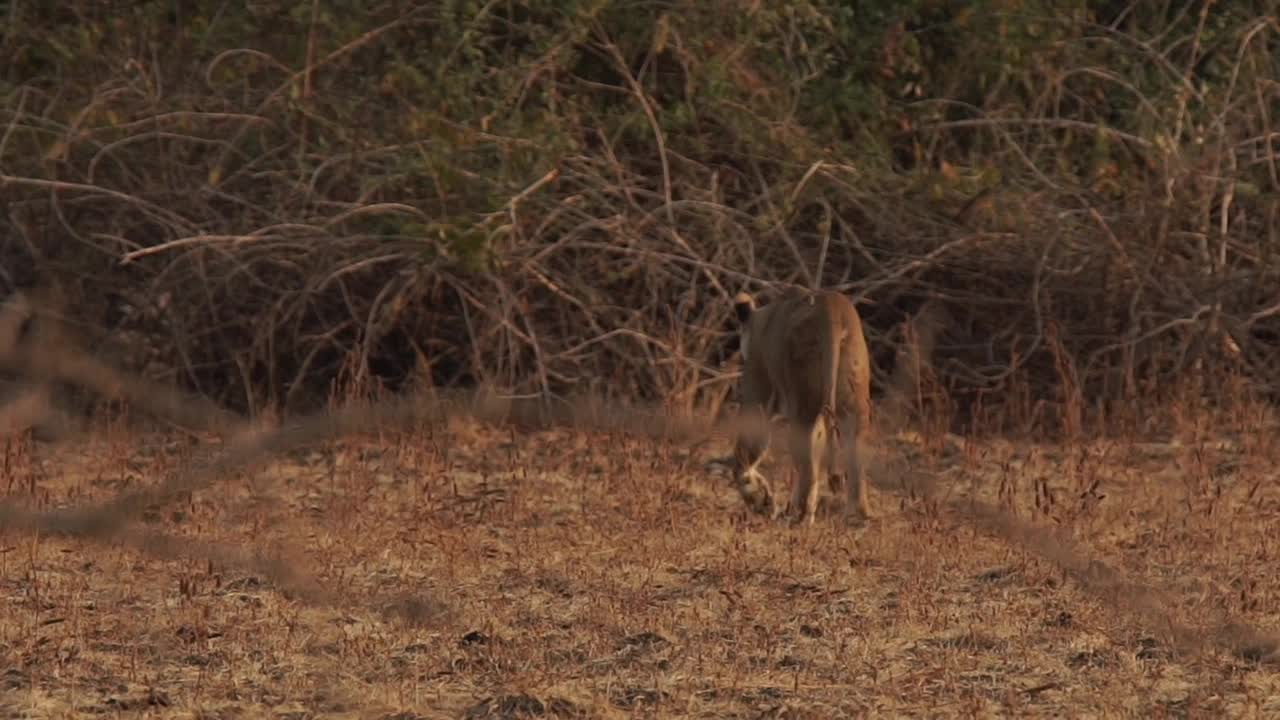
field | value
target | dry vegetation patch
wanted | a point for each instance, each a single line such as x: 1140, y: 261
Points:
x: 278, y: 204
x: 570, y: 574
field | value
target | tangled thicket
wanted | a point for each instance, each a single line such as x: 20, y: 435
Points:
x: 270, y: 200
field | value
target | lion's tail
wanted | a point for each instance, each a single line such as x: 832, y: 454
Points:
x: 831, y: 342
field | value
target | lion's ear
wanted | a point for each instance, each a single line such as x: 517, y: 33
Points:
x: 743, y: 306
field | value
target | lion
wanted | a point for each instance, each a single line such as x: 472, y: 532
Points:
x: 23, y: 405
x: 16, y: 322
x: 804, y: 356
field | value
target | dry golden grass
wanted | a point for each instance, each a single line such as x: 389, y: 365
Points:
x: 478, y: 572
x: 346, y: 565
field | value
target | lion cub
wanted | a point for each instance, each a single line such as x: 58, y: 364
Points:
x: 804, y: 356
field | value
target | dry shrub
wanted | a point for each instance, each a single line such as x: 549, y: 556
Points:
x: 560, y: 200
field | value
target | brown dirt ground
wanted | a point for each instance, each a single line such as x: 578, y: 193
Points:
x: 484, y: 573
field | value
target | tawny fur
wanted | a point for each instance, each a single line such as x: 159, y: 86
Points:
x: 805, y: 357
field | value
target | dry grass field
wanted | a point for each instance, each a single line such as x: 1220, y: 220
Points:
x: 479, y: 572
x: 1054, y: 220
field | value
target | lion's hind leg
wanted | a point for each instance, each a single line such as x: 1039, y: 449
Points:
x: 808, y: 450
x: 852, y: 453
